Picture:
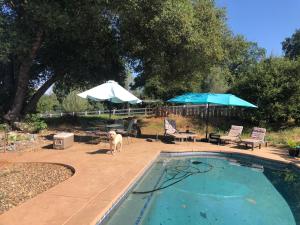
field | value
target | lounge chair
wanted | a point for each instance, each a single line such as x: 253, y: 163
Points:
x: 257, y: 138
x: 170, y: 130
x: 234, y: 134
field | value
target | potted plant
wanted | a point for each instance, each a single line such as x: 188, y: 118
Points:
x: 293, y: 148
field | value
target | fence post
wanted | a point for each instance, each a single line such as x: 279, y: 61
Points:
x: 145, y: 111
x: 99, y: 112
x: 128, y: 111
x: 85, y: 113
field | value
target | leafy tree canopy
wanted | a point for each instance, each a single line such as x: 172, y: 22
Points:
x: 47, y: 103
x: 274, y: 86
x: 174, y: 44
x: 291, y: 45
x: 49, y: 41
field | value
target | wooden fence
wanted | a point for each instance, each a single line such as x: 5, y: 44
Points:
x: 199, y: 110
x: 184, y: 110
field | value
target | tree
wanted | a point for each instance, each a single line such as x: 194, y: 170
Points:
x: 74, y: 103
x: 47, y: 41
x: 47, y: 103
x: 274, y: 86
x: 240, y: 54
x: 216, y: 80
x: 172, y: 45
x: 291, y: 45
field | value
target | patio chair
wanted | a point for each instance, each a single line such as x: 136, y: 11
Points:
x: 170, y: 130
x: 127, y: 132
x: 234, y: 134
x: 257, y: 138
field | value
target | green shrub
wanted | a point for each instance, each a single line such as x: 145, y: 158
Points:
x: 35, y: 124
x: 291, y: 143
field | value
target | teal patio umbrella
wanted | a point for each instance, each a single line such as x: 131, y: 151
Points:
x: 210, y: 98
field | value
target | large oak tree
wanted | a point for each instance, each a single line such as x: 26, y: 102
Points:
x: 49, y: 41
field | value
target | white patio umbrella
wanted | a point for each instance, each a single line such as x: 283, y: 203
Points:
x: 110, y: 91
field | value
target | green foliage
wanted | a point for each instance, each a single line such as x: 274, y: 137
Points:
x: 47, y: 103
x: 274, y: 86
x: 291, y: 45
x: 35, y: 124
x: 79, y: 46
x: 74, y: 103
x: 291, y: 143
x: 172, y: 43
x: 215, y: 81
x: 95, y: 105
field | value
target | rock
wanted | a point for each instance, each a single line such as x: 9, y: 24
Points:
x: 22, y: 181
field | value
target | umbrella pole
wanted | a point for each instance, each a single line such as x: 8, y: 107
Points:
x: 207, y: 118
x: 109, y: 107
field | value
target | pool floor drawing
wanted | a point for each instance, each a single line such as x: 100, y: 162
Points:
x: 210, y: 190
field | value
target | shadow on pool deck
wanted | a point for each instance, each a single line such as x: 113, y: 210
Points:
x: 99, y: 151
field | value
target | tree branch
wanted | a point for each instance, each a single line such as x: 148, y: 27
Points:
x: 31, y: 105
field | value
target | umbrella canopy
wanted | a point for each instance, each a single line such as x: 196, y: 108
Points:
x: 110, y: 91
x: 211, y: 98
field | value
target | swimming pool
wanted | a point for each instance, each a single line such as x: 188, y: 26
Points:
x: 212, y: 190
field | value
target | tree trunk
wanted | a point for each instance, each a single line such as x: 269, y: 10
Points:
x: 7, y: 84
x: 22, y: 84
x: 31, y: 105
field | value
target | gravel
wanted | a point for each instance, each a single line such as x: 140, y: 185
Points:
x: 22, y: 181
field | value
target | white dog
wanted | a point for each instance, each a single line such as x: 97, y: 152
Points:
x: 115, y: 141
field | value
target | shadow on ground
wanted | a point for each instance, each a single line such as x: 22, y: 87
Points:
x: 100, y: 151
x: 50, y: 146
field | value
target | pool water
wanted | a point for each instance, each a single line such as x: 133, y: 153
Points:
x: 211, y: 191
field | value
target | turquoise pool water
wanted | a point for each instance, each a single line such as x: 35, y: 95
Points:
x: 211, y: 191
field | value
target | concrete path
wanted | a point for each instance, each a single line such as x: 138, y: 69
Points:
x: 99, y: 179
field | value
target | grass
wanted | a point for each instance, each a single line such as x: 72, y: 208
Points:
x: 282, y: 136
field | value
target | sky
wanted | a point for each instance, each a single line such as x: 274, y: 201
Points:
x: 267, y: 22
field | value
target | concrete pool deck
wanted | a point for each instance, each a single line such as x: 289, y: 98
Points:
x: 99, y: 178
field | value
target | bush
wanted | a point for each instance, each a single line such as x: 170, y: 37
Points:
x: 35, y: 124
x: 292, y: 143
x: 274, y: 86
